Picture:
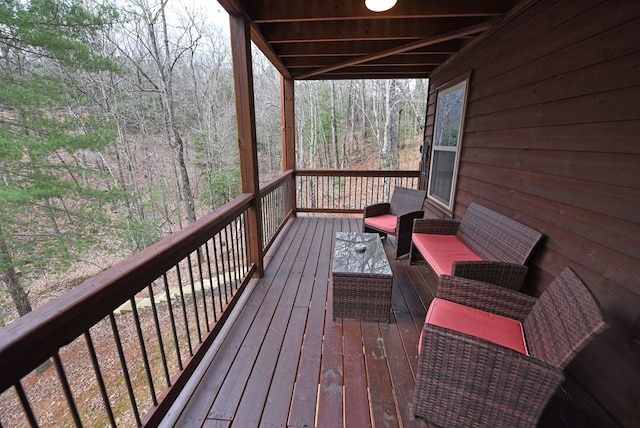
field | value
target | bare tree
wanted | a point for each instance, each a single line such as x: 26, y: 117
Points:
x: 154, y: 41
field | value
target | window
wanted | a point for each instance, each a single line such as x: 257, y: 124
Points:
x: 447, y: 135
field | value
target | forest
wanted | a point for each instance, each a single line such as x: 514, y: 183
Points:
x: 118, y: 128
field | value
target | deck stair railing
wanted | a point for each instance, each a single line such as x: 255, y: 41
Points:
x: 119, y: 348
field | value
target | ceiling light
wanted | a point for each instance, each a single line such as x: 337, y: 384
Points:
x: 379, y: 5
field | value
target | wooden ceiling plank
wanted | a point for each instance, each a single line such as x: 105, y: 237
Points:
x: 407, y: 47
x: 381, y: 29
x: 330, y: 10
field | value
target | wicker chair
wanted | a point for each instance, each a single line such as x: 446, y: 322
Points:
x: 395, y: 218
x: 463, y: 380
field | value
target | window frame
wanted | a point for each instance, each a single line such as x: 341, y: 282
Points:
x: 441, y: 92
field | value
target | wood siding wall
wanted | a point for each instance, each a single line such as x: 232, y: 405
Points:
x: 552, y: 139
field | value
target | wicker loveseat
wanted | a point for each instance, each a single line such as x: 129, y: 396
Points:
x: 468, y: 381
x: 395, y: 218
x: 485, y: 245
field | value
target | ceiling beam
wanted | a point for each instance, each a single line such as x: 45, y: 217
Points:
x: 233, y: 7
x: 474, y: 29
x: 355, y: 48
x: 402, y: 59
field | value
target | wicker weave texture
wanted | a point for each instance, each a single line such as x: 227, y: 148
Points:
x: 362, y: 297
x: 463, y: 381
x: 466, y: 381
x: 486, y: 297
x: 406, y: 200
x: 406, y: 205
x: 494, y: 236
x: 503, y: 243
x: 563, y: 320
x: 436, y: 226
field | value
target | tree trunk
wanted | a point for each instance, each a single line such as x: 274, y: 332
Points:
x: 164, y: 63
x: 10, y: 277
x: 390, y: 131
x: 334, y: 127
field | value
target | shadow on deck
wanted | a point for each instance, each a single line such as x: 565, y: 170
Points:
x: 285, y: 362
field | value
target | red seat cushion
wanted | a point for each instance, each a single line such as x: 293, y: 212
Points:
x: 474, y: 322
x: 385, y: 222
x: 440, y: 251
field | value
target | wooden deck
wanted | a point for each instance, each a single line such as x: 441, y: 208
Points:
x: 286, y: 362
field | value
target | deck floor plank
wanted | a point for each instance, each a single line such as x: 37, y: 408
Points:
x: 286, y: 362
x: 383, y: 405
x: 274, y: 324
x: 303, y: 405
x: 330, y: 390
x: 282, y: 386
x: 356, y: 408
x: 236, y: 380
x: 199, y: 405
x: 281, y: 390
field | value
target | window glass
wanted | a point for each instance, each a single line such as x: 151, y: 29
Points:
x: 450, y: 108
x: 442, y: 169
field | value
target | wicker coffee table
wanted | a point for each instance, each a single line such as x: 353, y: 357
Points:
x: 362, y: 277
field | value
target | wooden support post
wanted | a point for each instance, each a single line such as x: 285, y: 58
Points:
x: 247, y: 140
x: 287, y: 106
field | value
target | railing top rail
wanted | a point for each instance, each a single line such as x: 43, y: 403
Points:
x: 274, y: 183
x: 66, y: 317
x: 357, y: 173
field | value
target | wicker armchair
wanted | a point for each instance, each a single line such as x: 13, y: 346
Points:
x: 463, y: 380
x: 395, y: 218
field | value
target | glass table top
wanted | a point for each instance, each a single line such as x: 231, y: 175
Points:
x: 348, y: 259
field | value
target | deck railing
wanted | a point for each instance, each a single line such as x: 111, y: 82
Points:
x: 119, y: 348
x: 277, y: 206
x: 347, y: 191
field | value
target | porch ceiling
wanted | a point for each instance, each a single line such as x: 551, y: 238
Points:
x: 338, y: 39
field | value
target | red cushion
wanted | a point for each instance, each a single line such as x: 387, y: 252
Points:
x: 440, y: 251
x: 474, y: 322
x: 385, y: 222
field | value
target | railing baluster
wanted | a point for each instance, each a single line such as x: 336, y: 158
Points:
x: 245, y: 251
x: 236, y: 259
x: 67, y: 390
x: 215, y: 257
x: 204, y: 295
x: 226, y: 239
x: 195, y: 298
x: 156, y: 321
x: 143, y: 350
x: 184, y: 309
x: 238, y: 241
x: 359, y: 187
x: 125, y: 370
x: 224, y: 273
x: 26, y: 406
x: 213, y: 295
x: 99, y: 378
x: 174, y: 330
